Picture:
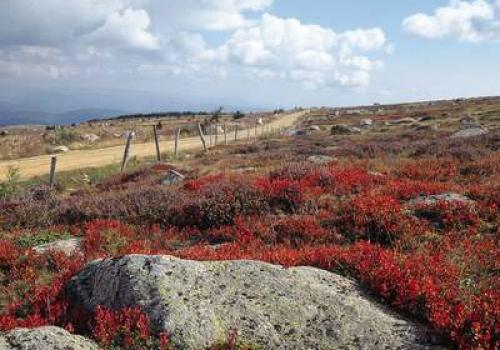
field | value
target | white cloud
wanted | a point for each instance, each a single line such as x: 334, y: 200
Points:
x: 310, y: 53
x: 138, y: 35
x: 129, y: 29
x: 472, y: 21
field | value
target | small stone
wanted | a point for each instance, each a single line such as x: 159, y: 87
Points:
x: 172, y: 178
x: 341, y: 129
x: 44, y: 338
x: 467, y: 133
x: 67, y: 246
x: 320, y: 159
x: 59, y: 149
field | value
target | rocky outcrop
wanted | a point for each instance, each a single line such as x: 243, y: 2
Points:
x: 44, y: 338
x: 271, y: 307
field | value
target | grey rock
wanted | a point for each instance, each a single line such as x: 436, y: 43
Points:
x: 172, y: 178
x: 67, y: 246
x: 59, y: 149
x: 403, y: 121
x: 320, y: 159
x: 432, y: 199
x: 467, y: 133
x: 366, y: 122
x: 314, y: 128
x: 198, y: 303
x: 90, y: 138
x: 44, y: 338
x: 341, y: 129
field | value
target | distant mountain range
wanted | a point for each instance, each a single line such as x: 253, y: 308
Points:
x: 17, y: 117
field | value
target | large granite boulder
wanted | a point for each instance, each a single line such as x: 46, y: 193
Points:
x: 271, y: 307
x: 44, y: 338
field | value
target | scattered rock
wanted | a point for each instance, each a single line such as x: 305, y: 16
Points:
x: 295, y: 132
x: 466, y: 133
x: 320, y: 159
x: 469, y: 123
x: 260, y: 121
x: 314, y: 128
x: 116, y: 135
x: 172, y: 177
x: 341, y: 129
x: 428, y: 127
x: 432, y: 199
x: 271, y: 307
x: 366, y: 122
x: 404, y: 121
x: 67, y: 246
x: 90, y: 138
x: 59, y: 149
x: 424, y: 118
x: 44, y: 338
x: 4, y: 132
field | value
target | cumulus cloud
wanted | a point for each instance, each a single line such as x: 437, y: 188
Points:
x: 310, y: 53
x: 86, y: 35
x: 472, y: 21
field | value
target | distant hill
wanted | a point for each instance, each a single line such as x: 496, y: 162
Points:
x: 17, y: 117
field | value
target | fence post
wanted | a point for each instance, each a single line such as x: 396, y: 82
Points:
x: 157, y: 144
x: 256, y: 126
x: 236, y: 132
x: 225, y: 134
x: 177, y: 139
x: 202, y: 137
x: 126, y: 153
x: 52, y: 178
x: 216, y: 134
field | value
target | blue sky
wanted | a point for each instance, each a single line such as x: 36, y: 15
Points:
x: 147, y: 55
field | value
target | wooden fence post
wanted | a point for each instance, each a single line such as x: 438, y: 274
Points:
x: 52, y: 178
x: 177, y: 139
x: 256, y: 126
x: 225, y: 134
x: 157, y: 144
x: 126, y: 153
x: 202, y: 137
x: 216, y: 134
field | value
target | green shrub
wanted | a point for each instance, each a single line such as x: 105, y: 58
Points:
x: 11, y: 185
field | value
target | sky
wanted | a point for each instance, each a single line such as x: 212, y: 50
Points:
x: 150, y: 55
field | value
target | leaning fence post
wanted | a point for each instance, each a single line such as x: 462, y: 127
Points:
x: 126, y: 153
x: 177, y: 138
x: 157, y: 143
x: 52, y: 178
x: 202, y: 137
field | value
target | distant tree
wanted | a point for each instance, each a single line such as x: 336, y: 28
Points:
x: 216, y: 115
x: 238, y: 115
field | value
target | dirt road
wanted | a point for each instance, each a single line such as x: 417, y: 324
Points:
x: 34, y: 166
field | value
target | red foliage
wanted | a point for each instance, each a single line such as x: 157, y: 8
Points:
x: 438, y: 262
